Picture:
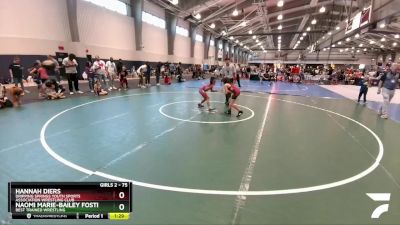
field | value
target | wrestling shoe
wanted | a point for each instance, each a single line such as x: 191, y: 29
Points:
x: 239, y: 113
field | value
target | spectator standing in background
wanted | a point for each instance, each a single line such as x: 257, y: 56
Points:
x: 363, y: 89
x: 228, y: 71
x: 34, y: 72
x: 166, y: 69
x: 147, y: 75
x: 71, y: 71
x: 140, y: 71
x: 179, y: 72
x: 54, y: 74
x: 119, y: 66
x: 123, y: 81
x: 237, y: 69
x: 90, y: 75
x: 179, y: 69
x: 388, y: 82
x: 99, y: 67
x: 43, y: 77
x: 172, y: 69
x: 330, y: 70
x: 158, y: 73
x: 111, y: 69
x: 16, y: 74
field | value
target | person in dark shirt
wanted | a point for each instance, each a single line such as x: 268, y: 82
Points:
x: 90, y: 74
x: 363, y: 89
x: 16, y: 69
x: 158, y: 73
x: 123, y: 78
x: 330, y: 70
x: 119, y: 66
x: 179, y: 73
x: 388, y: 82
x: 147, y: 74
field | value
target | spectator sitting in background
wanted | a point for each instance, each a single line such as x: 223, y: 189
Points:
x: 51, y: 92
x: 98, y: 90
x: 57, y: 87
x: 167, y: 79
x: 4, y: 101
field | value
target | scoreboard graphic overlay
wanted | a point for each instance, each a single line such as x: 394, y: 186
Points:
x: 71, y: 200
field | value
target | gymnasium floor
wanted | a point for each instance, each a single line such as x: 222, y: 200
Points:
x: 303, y: 155
x: 373, y: 99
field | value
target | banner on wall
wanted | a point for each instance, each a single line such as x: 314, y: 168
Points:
x: 353, y: 23
x: 365, y: 16
x: 360, y: 19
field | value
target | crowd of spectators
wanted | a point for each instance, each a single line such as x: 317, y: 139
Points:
x: 103, y: 76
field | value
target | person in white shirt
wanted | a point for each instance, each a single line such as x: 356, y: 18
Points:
x: 140, y: 71
x: 227, y: 72
x: 70, y: 65
x: 99, y: 68
x: 111, y: 69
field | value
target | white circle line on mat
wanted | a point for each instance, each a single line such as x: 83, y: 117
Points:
x: 161, y: 110
x: 82, y: 169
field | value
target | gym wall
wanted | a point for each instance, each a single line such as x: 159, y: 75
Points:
x: 41, y: 26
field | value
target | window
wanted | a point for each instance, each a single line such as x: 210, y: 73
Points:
x: 199, y: 38
x: 114, y: 5
x: 153, y: 20
x: 220, y: 46
x: 182, y: 31
x: 212, y: 43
